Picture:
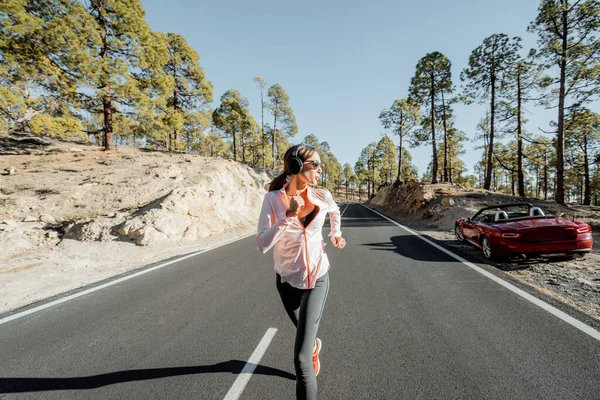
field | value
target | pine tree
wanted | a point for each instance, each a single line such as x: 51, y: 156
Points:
x: 40, y: 41
x: 189, y: 93
x: 522, y: 79
x: 401, y: 118
x: 262, y: 84
x: 567, y: 38
x: 233, y: 118
x: 386, y: 154
x: 282, y: 114
x: 582, y: 131
x: 486, y: 77
x: 432, y: 77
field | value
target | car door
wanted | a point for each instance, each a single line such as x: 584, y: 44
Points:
x: 469, y: 229
x: 480, y: 224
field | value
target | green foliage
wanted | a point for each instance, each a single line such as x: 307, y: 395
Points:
x: 489, y: 67
x: 233, y: 118
x: 188, y: 93
x: 401, y: 118
x: 367, y: 168
x: 35, y: 39
x: 582, y: 143
x: 83, y: 53
x: 385, y: 152
x: 63, y: 128
x: 212, y: 145
x: 348, y: 174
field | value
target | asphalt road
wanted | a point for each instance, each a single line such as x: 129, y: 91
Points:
x: 403, y: 320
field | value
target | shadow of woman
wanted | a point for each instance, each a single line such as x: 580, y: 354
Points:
x: 22, y: 385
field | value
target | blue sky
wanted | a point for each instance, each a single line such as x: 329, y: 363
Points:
x: 342, y: 62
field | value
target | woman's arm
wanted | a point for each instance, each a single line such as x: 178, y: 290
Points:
x: 335, y: 220
x: 270, y: 229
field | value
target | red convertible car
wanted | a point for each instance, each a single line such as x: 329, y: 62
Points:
x: 521, y: 231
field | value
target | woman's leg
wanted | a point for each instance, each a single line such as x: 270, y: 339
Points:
x: 309, y: 316
x: 291, y: 298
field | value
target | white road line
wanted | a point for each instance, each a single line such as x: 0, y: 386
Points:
x: 342, y: 214
x: 242, y: 380
x: 111, y: 283
x: 540, y: 303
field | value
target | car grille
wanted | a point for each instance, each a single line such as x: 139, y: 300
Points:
x: 550, y: 234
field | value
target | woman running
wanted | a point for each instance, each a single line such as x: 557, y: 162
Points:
x: 291, y: 220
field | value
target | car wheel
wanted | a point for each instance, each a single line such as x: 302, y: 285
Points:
x: 486, y: 247
x: 458, y: 233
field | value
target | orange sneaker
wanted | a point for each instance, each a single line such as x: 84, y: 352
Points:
x: 316, y: 362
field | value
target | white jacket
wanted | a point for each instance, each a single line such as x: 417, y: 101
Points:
x: 298, y: 252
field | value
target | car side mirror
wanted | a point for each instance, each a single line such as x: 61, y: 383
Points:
x: 468, y: 219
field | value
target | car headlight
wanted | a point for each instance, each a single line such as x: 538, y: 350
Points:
x: 584, y: 229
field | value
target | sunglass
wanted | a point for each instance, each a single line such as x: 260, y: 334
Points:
x: 318, y: 164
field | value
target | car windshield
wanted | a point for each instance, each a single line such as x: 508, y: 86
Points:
x: 485, y: 216
x: 512, y: 211
x: 515, y: 211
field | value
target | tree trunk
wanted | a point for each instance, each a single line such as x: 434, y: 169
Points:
x: 400, y: 134
x: 520, y: 177
x: 243, y: 147
x: 434, y: 167
x: 373, y: 175
x: 262, y: 127
x: 545, y: 177
x: 580, y: 189
x: 488, y: 177
x: 273, y: 139
x: 587, y: 198
x: 537, y: 183
x: 175, y: 107
x: 109, y: 139
x: 512, y: 183
x: 445, y: 138
x: 559, y: 195
x: 450, y: 179
x: 234, y: 146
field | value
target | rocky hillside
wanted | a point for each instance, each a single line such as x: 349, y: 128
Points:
x: 73, y: 214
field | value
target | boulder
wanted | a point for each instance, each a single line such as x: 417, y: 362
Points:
x: 448, y: 202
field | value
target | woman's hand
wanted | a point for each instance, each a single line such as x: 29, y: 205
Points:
x: 338, y: 242
x: 296, y: 204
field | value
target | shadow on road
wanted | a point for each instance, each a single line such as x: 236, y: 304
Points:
x: 363, y: 222
x: 411, y: 246
x: 22, y: 385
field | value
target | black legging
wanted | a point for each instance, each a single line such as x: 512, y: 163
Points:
x: 304, y: 307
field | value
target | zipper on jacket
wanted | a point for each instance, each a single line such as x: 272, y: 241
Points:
x: 306, y: 245
x: 305, y: 251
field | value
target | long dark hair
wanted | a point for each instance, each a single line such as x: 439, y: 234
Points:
x: 304, y: 153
